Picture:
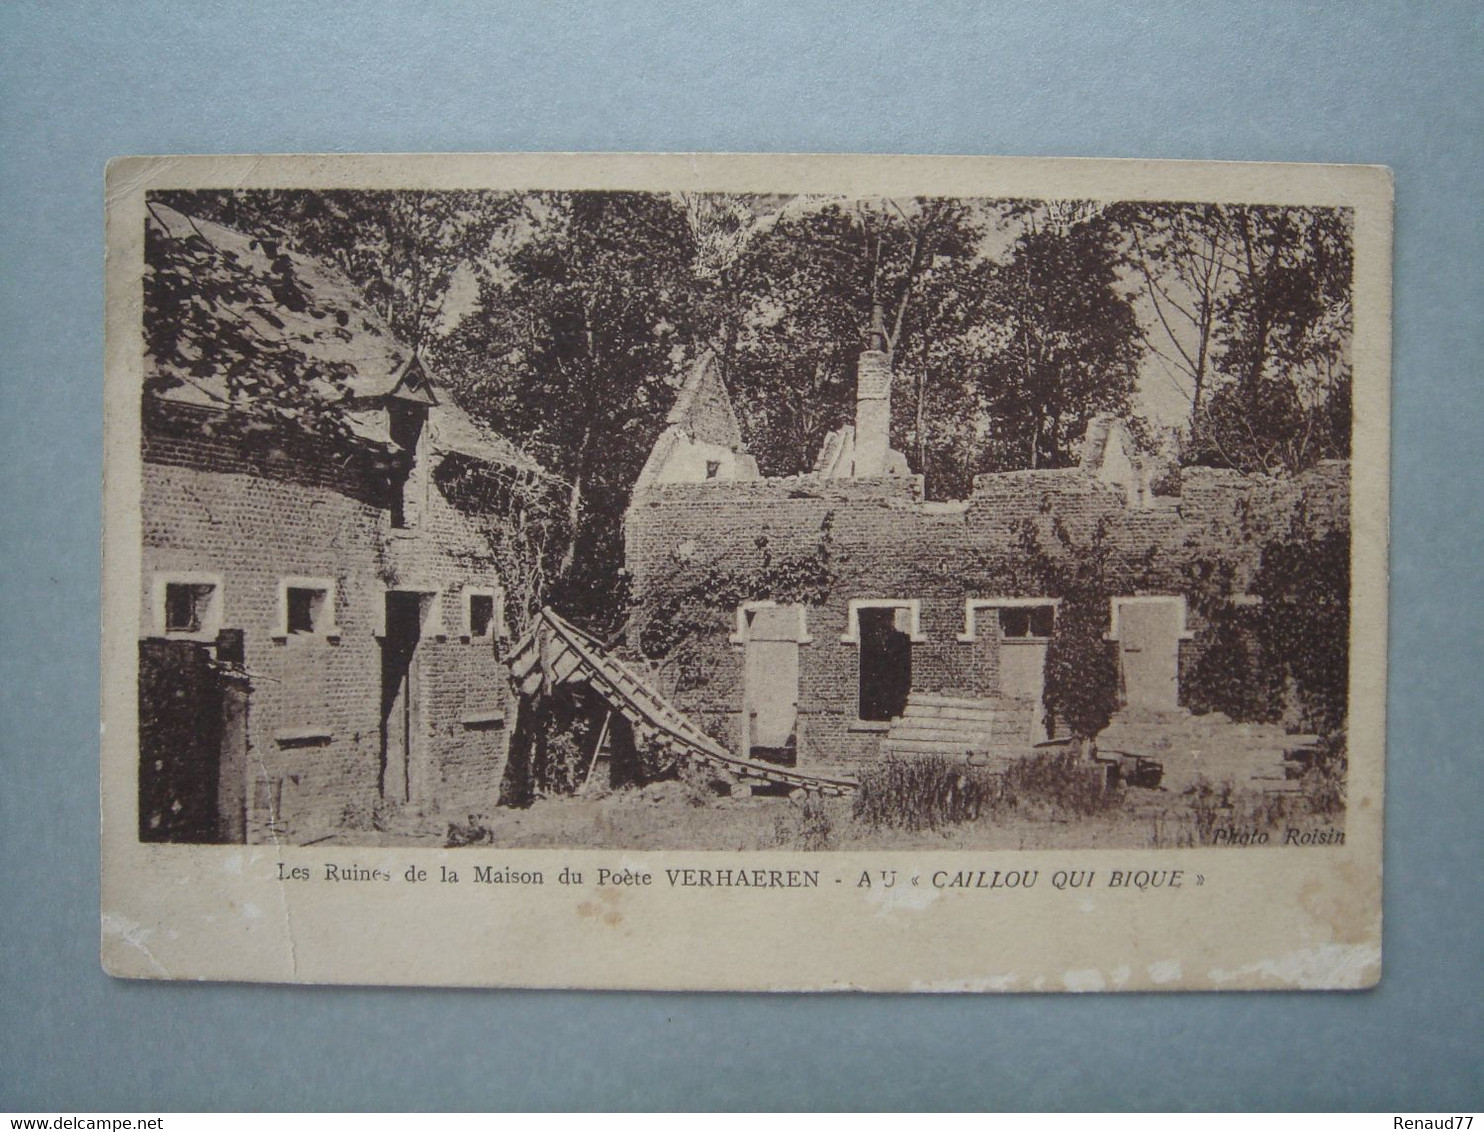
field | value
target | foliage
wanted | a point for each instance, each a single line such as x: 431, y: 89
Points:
x: 809, y: 825
x: 195, y: 332
x: 574, y: 348
x: 1059, y: 781
x: 806, y: 293
x: 1065, y: 342
x: 1324, y: 780
x: 922, y: 793
x: 1081, y: 688
x: 931, y: 792
x: 404, y: 249
x: 1232, y: 675
x: 1282, y: 343
x: 523, y: 522
x: 565, y: 321
x: 1222, y: 806
x: 1081, y: 674
x: 696, y: 602
x: 1250, y: 307
x: 551, y: 748
x: 700, y: 784
x: 1287, y: 657
x: 1304, y: 584
x: 1182, y: 265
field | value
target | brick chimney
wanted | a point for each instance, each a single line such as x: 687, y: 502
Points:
x: 873, y: 403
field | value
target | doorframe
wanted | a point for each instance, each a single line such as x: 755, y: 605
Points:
x: 430, y: 627
x: 1184, y: 633
x: 741, y: 638
x: 744, y: 623
x: 852, y: 634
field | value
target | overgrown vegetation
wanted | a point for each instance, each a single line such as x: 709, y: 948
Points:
x: 933, y: 792
x: 1060, y: 784
x: 1081, y: 674
x: 922, y: 793
x: 695, y: 604
x: 1286, y: 657
x: 551, y: 748
x: 809, y: 825
x: 519, y: 514
x: 1081, y: 688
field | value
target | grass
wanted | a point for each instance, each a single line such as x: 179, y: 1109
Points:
x: 1048, y: 801
x: 925, y: 793
x: 931, y: 793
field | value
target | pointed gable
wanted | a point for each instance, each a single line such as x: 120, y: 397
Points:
x: 413, y: 385
x: 703, y: 411
x: 1110, y: 455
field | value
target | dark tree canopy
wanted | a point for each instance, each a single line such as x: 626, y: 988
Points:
x: 575, y: 348
x: 1065, y: 343
x: 567, y: 321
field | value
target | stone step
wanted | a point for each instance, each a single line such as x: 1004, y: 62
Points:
x: 1018, y: 728
x: 935, y: 699
x: 915, y: 710
x: 956, y: 750
x: 970, y: 737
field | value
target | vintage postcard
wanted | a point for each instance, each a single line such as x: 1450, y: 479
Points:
x: 745, y: 572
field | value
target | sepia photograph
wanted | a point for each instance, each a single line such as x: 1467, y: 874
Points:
x: 693, y: 520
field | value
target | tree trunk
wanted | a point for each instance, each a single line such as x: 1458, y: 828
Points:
x: 574, y: 506
x: 919, y: 427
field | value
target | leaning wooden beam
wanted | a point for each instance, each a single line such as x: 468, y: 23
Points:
x: 553, y: 652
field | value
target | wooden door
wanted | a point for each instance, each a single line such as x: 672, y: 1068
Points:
x: 1149, y: 632
x: 770, y: 706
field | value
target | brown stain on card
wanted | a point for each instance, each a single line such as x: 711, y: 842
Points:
x: 610, y: 916
x: 1341, y: 903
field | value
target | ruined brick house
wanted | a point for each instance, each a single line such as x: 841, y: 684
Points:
x: 319, y: 623
x: 933, y: 635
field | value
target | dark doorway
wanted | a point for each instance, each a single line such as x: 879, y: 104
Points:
x: 886, y: 664
x: 399, y: 693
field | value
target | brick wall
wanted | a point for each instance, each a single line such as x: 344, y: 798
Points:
x: 254, y: 520
x: 888, y: 544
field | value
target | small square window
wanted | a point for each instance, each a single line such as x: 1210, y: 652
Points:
x: 304, y: 609
x: 481, y: 614
x: 713, y: 469
x: 186, y: 605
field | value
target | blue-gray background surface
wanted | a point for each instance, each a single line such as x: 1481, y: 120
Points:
x: 1390, y: 84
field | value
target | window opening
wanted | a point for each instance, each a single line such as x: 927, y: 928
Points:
x: 305, y: 609
x: 1026, y: 622
x: 186, y: 605
x: 481, y: 614
x: 405, y: 423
